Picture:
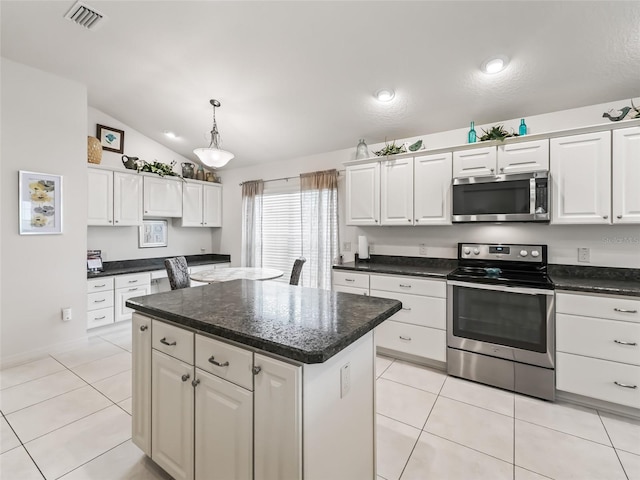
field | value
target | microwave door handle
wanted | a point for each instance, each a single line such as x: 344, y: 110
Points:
x: 532, y: 196
x: 502, y: 288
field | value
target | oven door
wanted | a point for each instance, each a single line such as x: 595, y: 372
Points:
x: 507, y: 322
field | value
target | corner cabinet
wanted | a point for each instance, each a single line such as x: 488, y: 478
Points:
x: 363, y: 194
x: 162, y: 197
x: 432, y: 189
x: 201, y: 205
x: 114, y: 198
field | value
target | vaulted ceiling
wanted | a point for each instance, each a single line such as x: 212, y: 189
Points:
x: 297, y: 77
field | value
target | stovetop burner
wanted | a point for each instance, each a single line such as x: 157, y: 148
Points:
x: 502, y: 264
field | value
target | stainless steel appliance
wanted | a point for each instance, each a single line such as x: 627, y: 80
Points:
x: 520, y: 197
x: 500, y: 318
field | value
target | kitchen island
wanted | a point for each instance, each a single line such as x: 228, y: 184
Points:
x: 260, y: 380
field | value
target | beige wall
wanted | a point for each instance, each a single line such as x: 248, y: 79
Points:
x: 43, y: 130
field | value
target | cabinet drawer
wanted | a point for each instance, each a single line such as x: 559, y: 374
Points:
x: 421, y: 341
x: 99, y: 284
x: 98, y: 318
x: 100, y: 300
x: 133, y: 280
x: 418, y: 309
x: 350, y: 279
x: 615, y: 308
x: 173, y: 341
x: 355, y: 290
x: 235, y: 362
x: 599, y: 338
x: 596, y: 378
x: 413, y: 285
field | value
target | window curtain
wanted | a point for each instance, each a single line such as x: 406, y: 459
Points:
x: 319, y: 224
x: 252, y: 193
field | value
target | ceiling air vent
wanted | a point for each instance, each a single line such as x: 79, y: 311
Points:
x: 85, y: 16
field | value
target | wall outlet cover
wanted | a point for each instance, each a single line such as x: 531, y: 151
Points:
x: 346, y: 246
x: 584, y: 255
x: 423, y: 248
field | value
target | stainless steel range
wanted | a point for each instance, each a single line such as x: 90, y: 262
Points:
x: 500, y: 318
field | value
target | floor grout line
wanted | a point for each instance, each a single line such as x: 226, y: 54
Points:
x: 46, y: 399
x: 91, y: 460
x: 566, y: 433
x: 614, y: 449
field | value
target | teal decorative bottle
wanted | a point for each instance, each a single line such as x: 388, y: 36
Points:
x: 472, y: 134
x: 523, y: 128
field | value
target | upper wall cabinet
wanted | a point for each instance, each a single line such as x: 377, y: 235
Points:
x: 115, y: 198
x: 396, y: 192
x: 162, y: 197
x: 581, y: 179
x: 201, y: 205
x: 432, y: 189
x: 510, y: 158
x: 626, y: 175
x: 363, y: 194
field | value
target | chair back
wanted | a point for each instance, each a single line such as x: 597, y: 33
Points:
x: 296, y: 271
x: 178, y: 272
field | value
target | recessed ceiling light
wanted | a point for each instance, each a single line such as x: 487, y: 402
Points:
x: 495, y: 64
x: 170, y: 134
x: 385, y: 95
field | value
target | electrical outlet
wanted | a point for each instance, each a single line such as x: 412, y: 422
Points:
x: 346, y: 246
x: 345, y: 379
x: 66, y: 314
x: 371, y: 248
x: 203, y: 250
x: 584, y: 255
x: 423, y: 249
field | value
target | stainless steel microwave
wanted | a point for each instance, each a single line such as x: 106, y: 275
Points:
x: 518, y: 197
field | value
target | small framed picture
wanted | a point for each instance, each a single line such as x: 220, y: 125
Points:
x: 153, y: 233
x: 111, y: 139
x: 40, y: 203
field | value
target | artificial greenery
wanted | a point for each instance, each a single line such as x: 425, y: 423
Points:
x: 497, y: 132
x: 390, y: 149
x: 158, y: 168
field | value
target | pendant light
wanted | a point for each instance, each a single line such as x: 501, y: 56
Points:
x: 213, y: 156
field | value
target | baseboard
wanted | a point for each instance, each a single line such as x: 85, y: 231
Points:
x: 600, y: 405
x: 40, y: 353
x: 407, y: 357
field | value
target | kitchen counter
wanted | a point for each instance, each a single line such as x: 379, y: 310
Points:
x: 605, y: 280
x: 412, y: 266
x: 303, y: 324
x: 123, y: 267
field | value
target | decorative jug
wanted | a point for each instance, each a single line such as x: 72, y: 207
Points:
x: 361, y: 150
x: 187, y: 170
x: 130, y: 162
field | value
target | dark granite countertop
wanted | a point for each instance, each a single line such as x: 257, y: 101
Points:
x: 413, y: 266
x: 612, y: 281
x: 304, y: 324
x: 123, y: 267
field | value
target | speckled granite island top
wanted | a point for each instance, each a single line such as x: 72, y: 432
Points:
x: 304, y: 324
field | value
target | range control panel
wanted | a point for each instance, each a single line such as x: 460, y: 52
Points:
x: 501, y: 252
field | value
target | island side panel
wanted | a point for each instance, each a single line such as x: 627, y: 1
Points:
x: 339, y: 431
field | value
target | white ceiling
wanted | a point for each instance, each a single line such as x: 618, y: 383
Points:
x: 296, y: 78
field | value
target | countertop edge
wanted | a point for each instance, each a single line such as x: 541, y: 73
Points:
x: 149, y: 268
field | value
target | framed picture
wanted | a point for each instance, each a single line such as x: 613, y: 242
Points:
x: 111, y: 139
x: 153, y: 233
x: 40, y: 203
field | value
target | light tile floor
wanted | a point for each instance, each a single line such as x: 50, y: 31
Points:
x: 68, y: 416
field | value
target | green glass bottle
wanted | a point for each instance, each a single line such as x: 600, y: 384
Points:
x: 472, y: 134
x: 523, y: 128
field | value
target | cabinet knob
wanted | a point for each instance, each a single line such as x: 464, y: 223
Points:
x: 116, y: 221
x: 417, y: 219
x: 408, y: 219
x: 376, y: 221
x: 256, y: 370
x: 143, y: 328
x: 195, y: 382
x: 109, y: 221
x: 186, y: 377
x: 605, y: 216
x: 492, y: 170
x: 618, y: 216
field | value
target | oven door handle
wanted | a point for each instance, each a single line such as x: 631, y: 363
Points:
x: 502, y: 288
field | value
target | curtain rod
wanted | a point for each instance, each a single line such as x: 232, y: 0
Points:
x: 284, y: 178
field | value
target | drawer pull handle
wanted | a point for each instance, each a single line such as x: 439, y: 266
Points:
x: 100, y: 301
x: 133, y: 289
x: 164, y: 341
x: 408, y: 309
x: 143, y: 328
x: 405, y: 338
x: 133, y: 281
x: 218, y: 364
x: 625, y: 385
x: 633, y: 344
x: 100, y: 286
x: 104, y: 316
x: 349, y: 280
x: 405, y: 286
x: 623, y: 310
x: 186, y: 377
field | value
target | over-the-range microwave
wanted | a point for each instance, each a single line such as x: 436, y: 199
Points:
x: 518, y: 197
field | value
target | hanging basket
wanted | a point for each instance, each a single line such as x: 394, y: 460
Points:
x: 94, y: 150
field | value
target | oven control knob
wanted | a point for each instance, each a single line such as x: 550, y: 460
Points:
x: 467, y: 251
x: 476, y: 251
x: 523, y: 253
x: 535, y: 253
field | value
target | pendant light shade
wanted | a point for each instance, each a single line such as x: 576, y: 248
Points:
x: 213, y: 155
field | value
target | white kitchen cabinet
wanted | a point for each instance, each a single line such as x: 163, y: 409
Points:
x: 99, y: 302
x: 523, y: 157
x: 396, y: 192
x: 172, y: 414
x: 363, y: 194
x: 162, y: 197
x: 475, y: 162
x: 201, y: 205
x: 278, y: 420
x: 432, y: 189
x: 349, y: 282
x: 223, y: 429
x: 626, y: 175
x: 126, y: 287
x: 581, y: 179
x: 115, y: 198
x: 141, y: 387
